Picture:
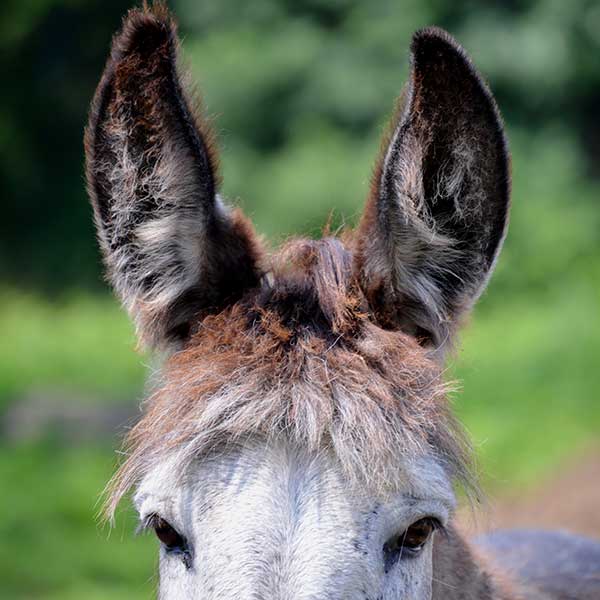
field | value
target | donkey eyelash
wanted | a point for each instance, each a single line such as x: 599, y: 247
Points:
x: 146, y: 524
x: 437, y: 525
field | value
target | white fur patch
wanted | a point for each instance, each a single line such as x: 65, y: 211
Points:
x: 275, y: 522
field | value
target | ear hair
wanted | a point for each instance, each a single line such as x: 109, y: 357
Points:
x: 438, y: 210
x: 171, y: 248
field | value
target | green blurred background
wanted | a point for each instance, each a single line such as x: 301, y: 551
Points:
x: 299, y: 92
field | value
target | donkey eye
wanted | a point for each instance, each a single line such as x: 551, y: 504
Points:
x: 167, y: 535
x: 409, y: 543
x: 174, y: 543
x: 416, y: 536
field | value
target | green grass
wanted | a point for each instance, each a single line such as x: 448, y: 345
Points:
x: 529, y: 398
x: 530, y: 384
x: 82, y: 345
x: 52, y: 545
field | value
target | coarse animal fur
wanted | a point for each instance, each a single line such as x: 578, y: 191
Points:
x: 299, y: 435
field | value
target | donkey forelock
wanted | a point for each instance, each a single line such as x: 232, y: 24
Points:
x: 298, y: 356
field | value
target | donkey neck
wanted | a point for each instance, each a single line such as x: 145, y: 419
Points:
x: 461, y: 573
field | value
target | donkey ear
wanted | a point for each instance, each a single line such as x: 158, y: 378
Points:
x: 438, y: 209
x: 172, y: 250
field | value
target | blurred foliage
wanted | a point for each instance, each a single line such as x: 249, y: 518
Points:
x: 299, y: 92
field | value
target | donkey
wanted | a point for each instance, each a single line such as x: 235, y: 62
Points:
x: 298, y: 443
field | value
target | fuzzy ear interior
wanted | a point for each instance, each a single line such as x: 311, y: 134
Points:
x: 172, y: 249
x: 438, y: 210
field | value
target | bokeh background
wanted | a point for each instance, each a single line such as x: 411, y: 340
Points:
x: 299, y: 92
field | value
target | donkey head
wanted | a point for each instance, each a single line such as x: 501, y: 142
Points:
x: 299, y: 443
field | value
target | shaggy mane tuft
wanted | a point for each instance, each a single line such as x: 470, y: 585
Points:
x: 300, y: 357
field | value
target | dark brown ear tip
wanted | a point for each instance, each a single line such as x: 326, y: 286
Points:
x: 433, y: 48
x: 144, y: 30
x: 434, y: 34
x: 434, y: 44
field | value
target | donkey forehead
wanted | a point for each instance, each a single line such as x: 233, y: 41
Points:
x: 279, y: 476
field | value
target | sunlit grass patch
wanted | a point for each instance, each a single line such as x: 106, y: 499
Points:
x: 82, y: 345
x: 531, y: 383
x: 55, y: 546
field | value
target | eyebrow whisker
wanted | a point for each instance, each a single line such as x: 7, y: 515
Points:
x: 146, y: 523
